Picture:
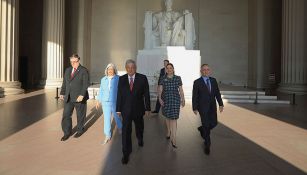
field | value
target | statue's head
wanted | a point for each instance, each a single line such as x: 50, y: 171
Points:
x: 168, y: 4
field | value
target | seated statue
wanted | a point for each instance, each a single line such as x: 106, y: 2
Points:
x: 169, y: 28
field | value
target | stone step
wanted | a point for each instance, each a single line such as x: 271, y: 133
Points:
x: 259, y: 101
x: 228, y: 96
x: 251, y: 97
x: 242, y: 92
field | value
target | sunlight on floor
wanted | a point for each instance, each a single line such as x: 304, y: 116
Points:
x: 282, y: 139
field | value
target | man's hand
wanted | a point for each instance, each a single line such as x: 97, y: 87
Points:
x: 147, y: 113
x: 119, y: 114
x: 195, y: 112
x: 97, y: 105
x: 221, y: 108
x: 80, y: 98
x: 61, y: 97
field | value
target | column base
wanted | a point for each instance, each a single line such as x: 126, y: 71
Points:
x: 298, y: 89
x: 52, y: 83
x: 11, y: 88
x: 1, y: 92
x: 42, y: 83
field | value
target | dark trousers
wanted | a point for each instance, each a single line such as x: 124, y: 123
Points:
x: 67, y: 113
x: 205, y: 131
x: 158, y: 105
x: 127, y: 129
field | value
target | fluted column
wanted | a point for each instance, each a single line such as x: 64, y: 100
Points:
x: 53, y: 42
x: 9, y: 47
x: 294, y: 63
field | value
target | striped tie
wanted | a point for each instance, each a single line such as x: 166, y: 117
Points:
x: 72, y: 74
x: 208, y: 85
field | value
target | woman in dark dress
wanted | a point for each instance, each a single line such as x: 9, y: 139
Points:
x: 171, y: 97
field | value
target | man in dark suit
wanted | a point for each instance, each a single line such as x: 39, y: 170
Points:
x: 162, y: 73
x: 205, y: 94
x: 133, y: 101
x: 74, y: 93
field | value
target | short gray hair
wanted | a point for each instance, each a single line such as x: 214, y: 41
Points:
x: 108, y: 66
x: 130, y: 61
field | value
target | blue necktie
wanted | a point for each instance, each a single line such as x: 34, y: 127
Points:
x: 208, y: 85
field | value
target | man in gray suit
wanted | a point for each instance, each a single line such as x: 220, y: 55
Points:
x: 74, y: 93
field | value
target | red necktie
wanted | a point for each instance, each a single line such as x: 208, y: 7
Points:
x: 131, y: 83
x: 72, y: 74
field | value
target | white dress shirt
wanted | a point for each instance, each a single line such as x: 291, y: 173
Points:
x: 129, y: 78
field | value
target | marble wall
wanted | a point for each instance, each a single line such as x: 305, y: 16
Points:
x: 221, y: 28
x: 240, y: 39
x: 223, y: 39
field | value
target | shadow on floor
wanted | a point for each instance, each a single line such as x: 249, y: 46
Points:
x: 19, y: 114
x: 90, y: 119
x: 231, y: 153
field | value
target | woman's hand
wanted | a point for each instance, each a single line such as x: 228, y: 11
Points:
x: 161, y: 102
x: 182, y: 102
x: 97, y: 105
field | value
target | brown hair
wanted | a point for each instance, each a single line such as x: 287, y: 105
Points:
x: 170, y: 64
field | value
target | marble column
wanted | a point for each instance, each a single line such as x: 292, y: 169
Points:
x: 9, y: 47
x: 53, y: 43
x: 294, y: 63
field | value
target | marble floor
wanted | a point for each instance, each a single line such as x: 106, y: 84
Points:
x: 250, y: 139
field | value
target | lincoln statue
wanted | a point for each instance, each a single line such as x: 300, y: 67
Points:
x: 169, y: 28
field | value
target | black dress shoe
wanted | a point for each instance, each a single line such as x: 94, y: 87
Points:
x: 65, y: 137
x: 173, y: 145
x: 141, y: 143
x: 200, y: 129
x: 207, y: 150
x: 78, y: 134
x: 125, y: 160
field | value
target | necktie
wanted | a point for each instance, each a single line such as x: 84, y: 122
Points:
x: 131, y: 83
x: 208, y: 85
x: 72, y: 74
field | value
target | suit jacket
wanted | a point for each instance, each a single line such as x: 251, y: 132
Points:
x: 106, y: 94
x: 205, y: 102
x: 75, y: 86
x: 162, y: 73
x: 134, y: 102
